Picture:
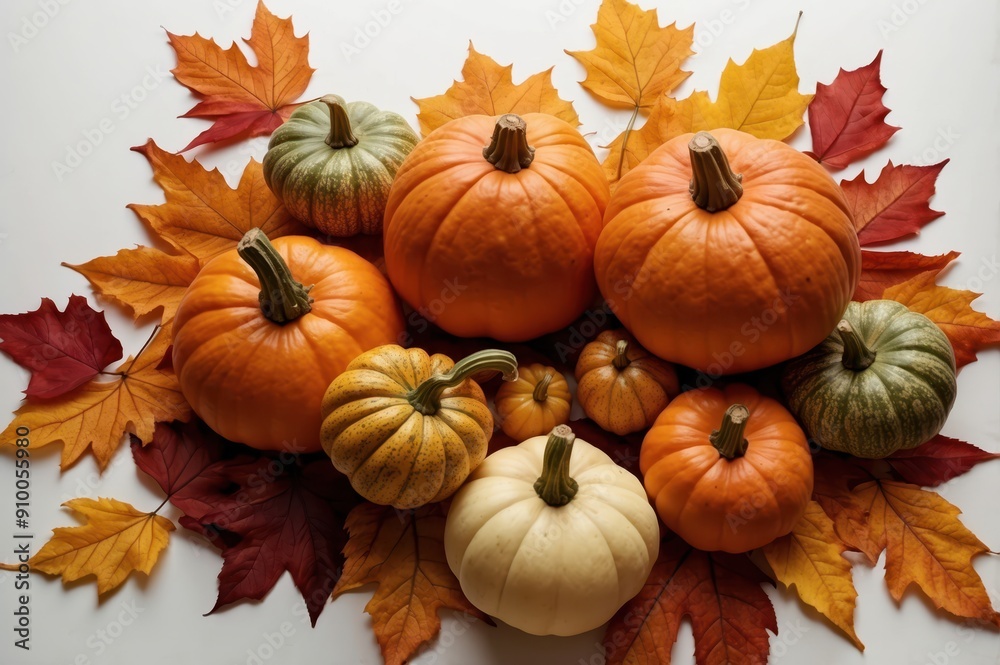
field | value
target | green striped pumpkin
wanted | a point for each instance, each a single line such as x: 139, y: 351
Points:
x: 884, y: 380
x: 332, y: 163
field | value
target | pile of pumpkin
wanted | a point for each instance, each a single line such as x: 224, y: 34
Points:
x: 721, y: 252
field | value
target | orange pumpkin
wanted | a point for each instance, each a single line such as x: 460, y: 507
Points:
x: 620, y: 385
x: 533, y: 404
x: 727, y: 469
x: 497, y: 242
x: 753, y: 265
x: 254, y: 350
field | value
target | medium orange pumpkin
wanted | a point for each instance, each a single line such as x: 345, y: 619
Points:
x: 497, y: 241
x: 620, y: 385
x: 727, y: 469
x: 533, y: 404
x: 254, y: 350
x: 755, y: 264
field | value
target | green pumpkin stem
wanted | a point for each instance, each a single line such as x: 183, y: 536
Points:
x: 282, y: 299
x: 508, y: 149
x: 541, y: 391
x: 554, y: 486
x: 621, y: 360
x: 857, y: 355
x: 714, y: 186
x: 426, y: 398
x: 729, y: 439
x: 340, y: 135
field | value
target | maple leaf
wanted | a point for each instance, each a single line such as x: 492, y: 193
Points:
x: 489, y: 89
x: 115, y: 540
x: 62, y: 350
x: 721, y: 594
x: 924, y: 542
x: 201, y: 218
x: 937, y: 461
x: 242, y: 99
x: 98, y: 414
x: 760, y: 97
x: 403, y: 552
x: 897, y: 204
x: 810, y: 558
x: 880, y: 270
x: 951, y: 309
x: 635, y: 60
x: 847, y: 117
x: 177, y: 458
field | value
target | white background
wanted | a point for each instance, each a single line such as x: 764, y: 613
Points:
x: 940, y: 65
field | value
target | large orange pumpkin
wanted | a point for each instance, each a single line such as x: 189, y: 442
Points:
x: 255, y: 350
x: 497, y: 241
x: 727, y: 253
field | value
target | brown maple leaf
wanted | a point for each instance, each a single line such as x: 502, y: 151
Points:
x: 242, y: 99
x: 896, y: 205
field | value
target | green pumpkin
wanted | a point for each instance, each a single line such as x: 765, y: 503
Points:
x: 332, y: 163
x: 884, y: 380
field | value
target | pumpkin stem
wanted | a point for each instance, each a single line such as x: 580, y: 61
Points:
x: 621, y: 360
x: 426, y: 398
x: 508, y: 149
x: 541, y: 392
x: 340, y: 135
x: 714, y: 186
x: 857, y: 355
x: 554, y: 486
x: 282, y: 299
x: 729, y: 439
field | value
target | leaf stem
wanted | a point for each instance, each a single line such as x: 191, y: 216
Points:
x: 124, y: 372
x: 625, y: 135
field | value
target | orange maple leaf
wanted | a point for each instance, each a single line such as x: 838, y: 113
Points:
x: 242, y: 99
x: 924, y: 541
x: 98, y: 414
x: 403, y: 552
x: 489, y: 89
x: 202, y: 217
x: 115, y: 540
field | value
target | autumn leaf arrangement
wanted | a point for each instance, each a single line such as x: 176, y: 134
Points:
x: 278, y: 504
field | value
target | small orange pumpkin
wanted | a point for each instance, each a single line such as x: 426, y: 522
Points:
x: 254, y: 349
x: 620, y: 385
x: 535, y: 403
x: 727, y: 469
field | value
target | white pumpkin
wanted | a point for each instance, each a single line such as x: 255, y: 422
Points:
x: 551, y: 536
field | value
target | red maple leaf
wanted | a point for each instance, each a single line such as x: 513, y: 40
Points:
x: 880, y: 270
x: 897, y: 204
x: 62, y: 350
x: 937, y: 461
x: 847, y: 117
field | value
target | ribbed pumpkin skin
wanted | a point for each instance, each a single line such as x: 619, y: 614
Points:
x: 521, y: 416
x: 900, y: 401
x: 623, y: 401
x: 490, y: 253
x: 341, y: 192
x: 260, y: 383
x: 393, y: 454
x: 718, y: 504
x: 735, y: 290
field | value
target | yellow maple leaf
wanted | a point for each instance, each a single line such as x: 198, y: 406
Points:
x: 635, y: 60
x: 760, y: 97
x: 114, y: 540
x: 811, y: 559
x: 489, y: 89
x: 99, y: 413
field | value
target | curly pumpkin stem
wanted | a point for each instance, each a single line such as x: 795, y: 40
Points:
x: 729, y: 439
x: 621, y: 360
x: 282, y: 299
x: 426, y: 398
x: 857, y: 355
x: 340, y: 135
x: 714, y: 186
x: 554, y: 486
x: 541, y: 391
x: 508, y: 149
